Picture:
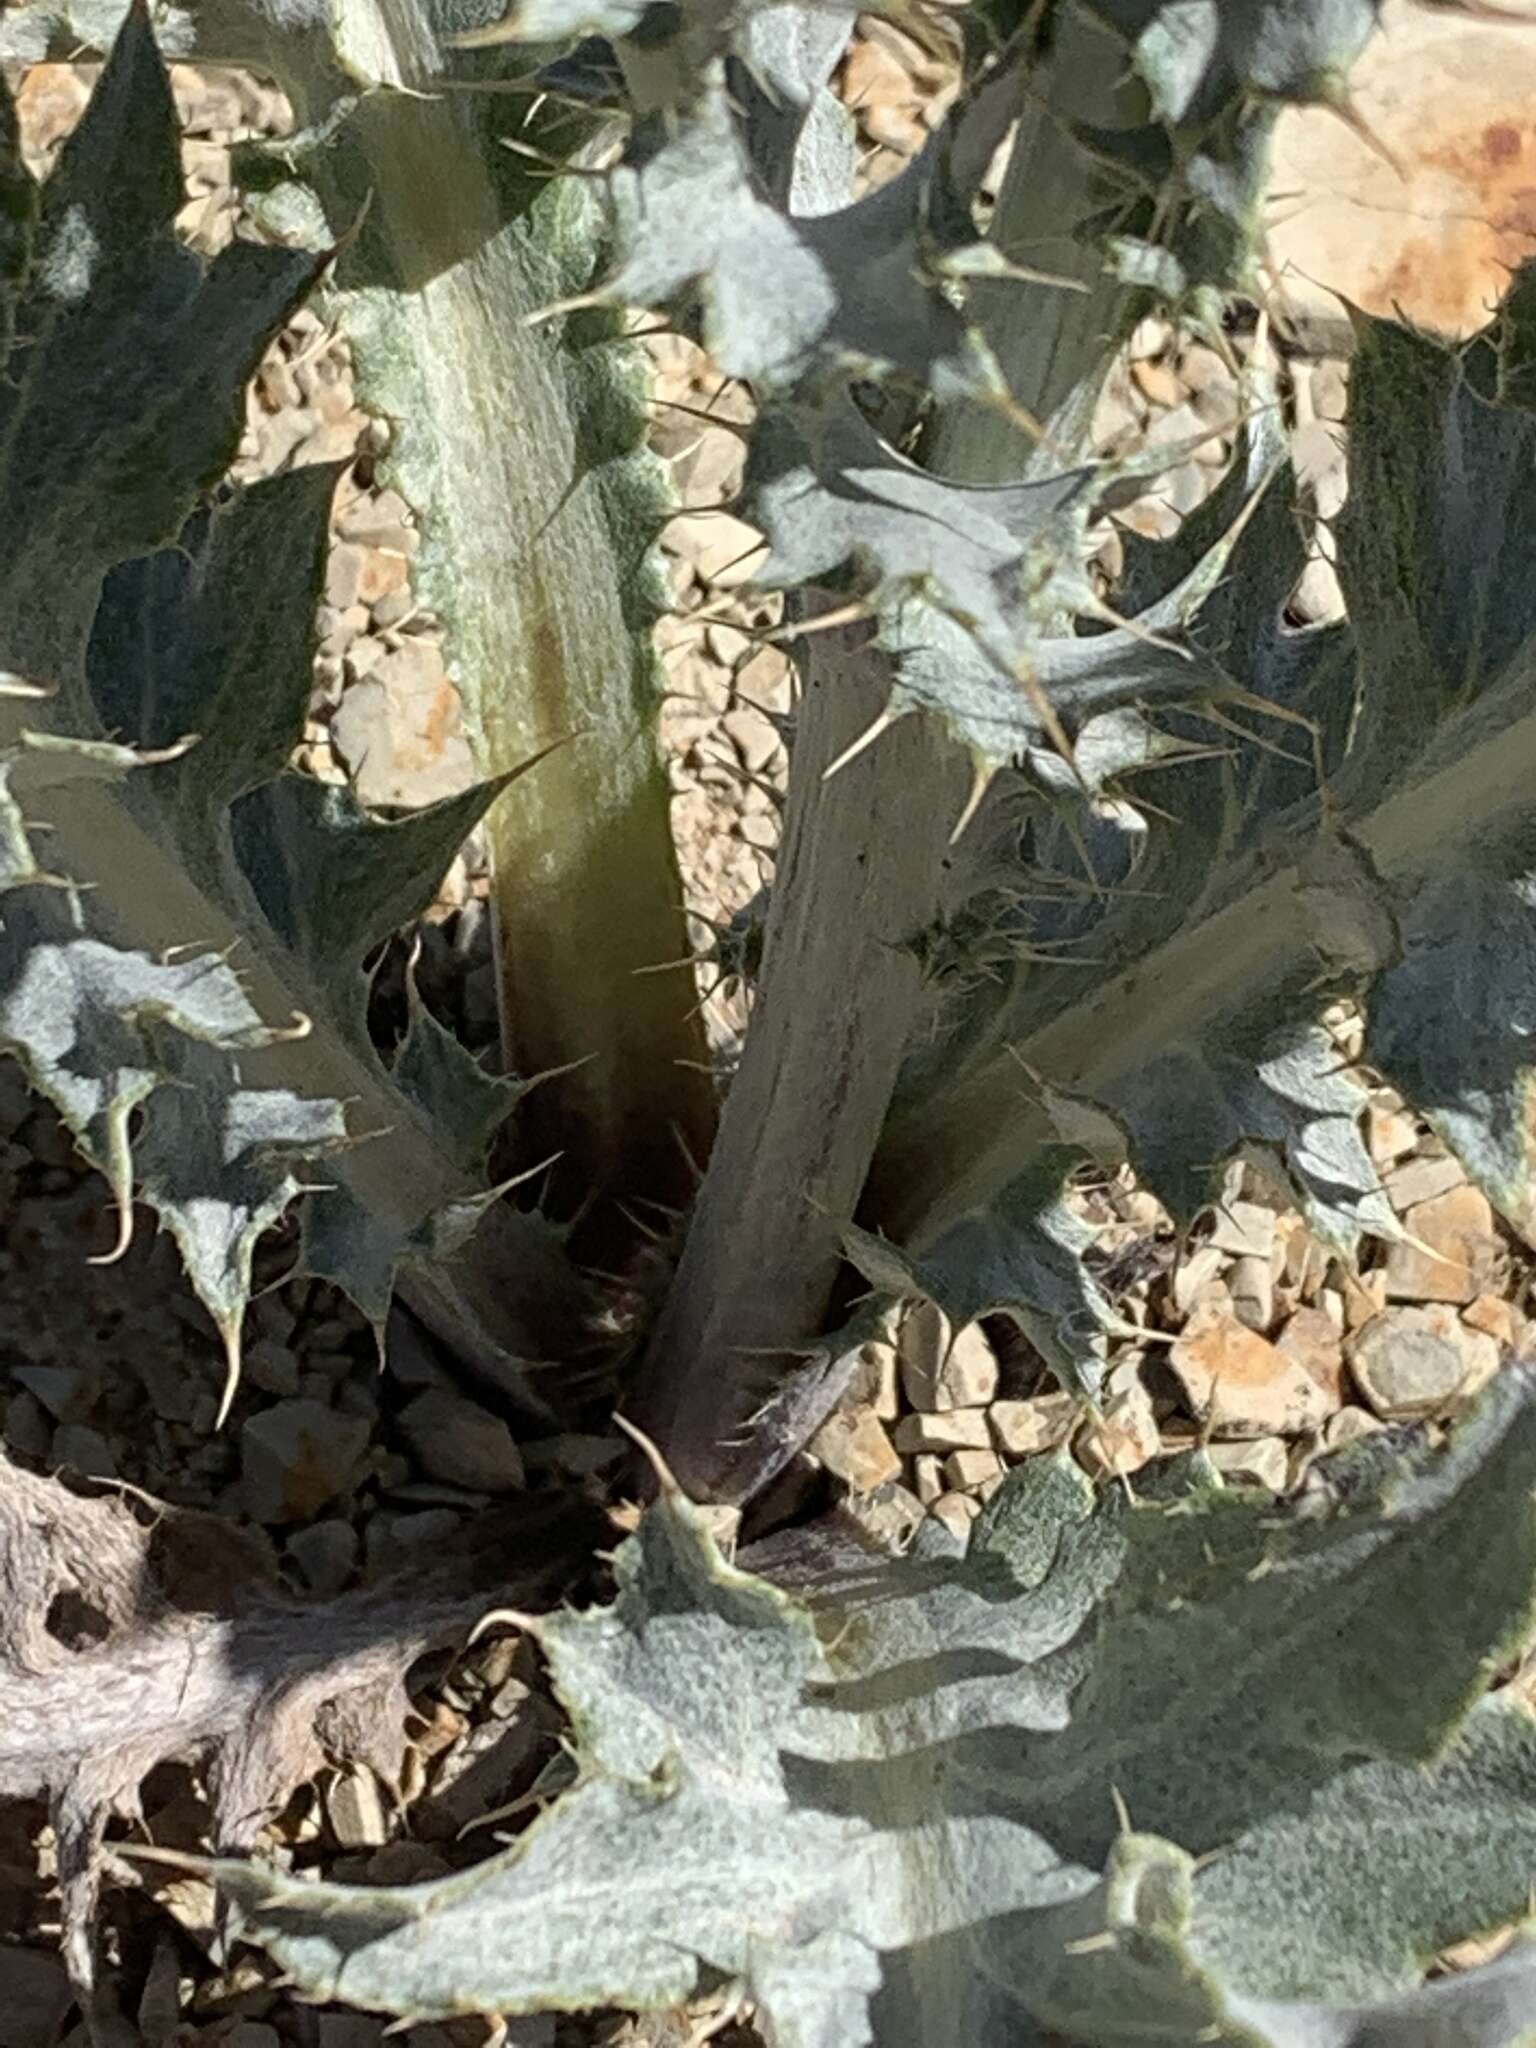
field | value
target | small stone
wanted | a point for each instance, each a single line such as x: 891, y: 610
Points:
x: 37, y: 1996
x: 272, y: 1367
x: 372, y: 515
x: 400, y: 730
x: 392, y: 608
x: 1317, y: 598
x: 1405, y: 1364
x: 1421, y: 1178
x: 1365, y: 1294
x: 83, y: 1450
x: 1157, y: 381
x: 361, y: 575
x: 1306, y: 1262
x: 1263, y: 1461
x: 1390, y: 1135
x: 1194, y: 1275
x: 1312, y: 1340
x: 398, y: 1862
x: 939, y: 1373
x: 956, y: 1511
x: 355, y: 1810
x: 390, y: 1540
x: 875, y: 1379
x: 455, y: 1440
x: 853, y: 1445
x: 1151, y: 336
x: 1349, y: 1426
x: 1251, y: 1283
x: 955, y: 1429
x: 1494, y: 1316
x: 928, y: 1476
x: 366, y: 651
x: 1245, y: 1229
x: 1124, y: 1441
x: 357, y: 2029
x: 1481, y: 1356
x: 296, y: 1458
x: 1330, y: 388
x: 890, y: 1514
x: 1460, y: 1249
x: 1021, y: 1428
x: 27, y: 1428
x: 965, y: 1471
x: 65, y: 1391
x: 1239, y: 1384
x: 752, y: 736
x: 325, y: 1553
x: 357, y: 1397
x: 410, y: 1356
x: 724, y: 550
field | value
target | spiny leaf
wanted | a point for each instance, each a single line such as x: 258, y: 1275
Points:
x: 97, y: 468
x: 1021, y: 1257
x: 850, y: 289
x: 1199, y: 56
x: 185, y: 921
x: 858, y: 1798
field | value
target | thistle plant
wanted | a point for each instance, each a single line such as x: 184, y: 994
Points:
x: 1193, y: 1767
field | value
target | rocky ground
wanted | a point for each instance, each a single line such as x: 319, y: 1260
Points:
x: 1248, y: 1336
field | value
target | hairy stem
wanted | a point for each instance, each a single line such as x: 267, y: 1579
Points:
x: 963, y: 1144
x: 522, y: 447
x: 861, y: 868
x: 857, y: 875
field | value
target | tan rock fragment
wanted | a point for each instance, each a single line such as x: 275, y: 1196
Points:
x: 354, y: 1807
x: 1454, y: 1251
x: 1263, y: 1461
x: 1251, y: 1284
x: 1407, y: 1361
x: 1483, y: 1358
x: 362, y: 575
x: 1349, y: 1426
x: 1306, y: 1261
x: 1194, y: 1275
x: 956, y: 1511
x: 1241, y: 1385
x: 1494, y: 1316
x: 853, y: 1445
x: 1022, y: 1428
x: 1245, y: 1229
x: 1311, y: 1338
x: 1124, y: 1441
x: 1422, y: 202
x: 943, y: 1369
x: 928, y: 1476
x: 1421, y: 1178
x: 874, y: 1379
x: 1390, y: 1135
x: 1365, y: 1294
x: 956, y: 1429
x: 966, y: 1471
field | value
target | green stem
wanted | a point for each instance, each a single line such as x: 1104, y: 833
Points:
x: 839, y: 997
x: 522, y: 448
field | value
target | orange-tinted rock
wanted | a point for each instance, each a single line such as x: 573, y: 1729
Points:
x: 1454, y: 1252
x: 1240, y: 1384
x: 1312, y: 1341
x: 1432, y: 221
